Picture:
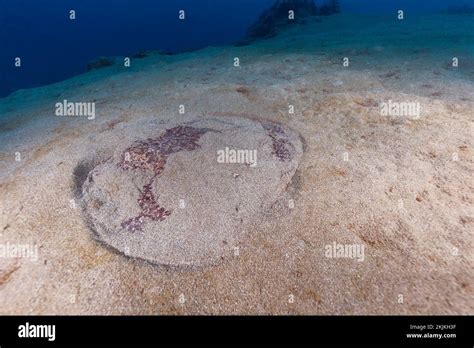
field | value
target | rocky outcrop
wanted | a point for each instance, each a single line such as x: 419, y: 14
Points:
x: 99, y: 63
x: 278, y: 16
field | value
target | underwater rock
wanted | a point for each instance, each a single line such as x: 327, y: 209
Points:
x: 330, y: 8
x: 99, y: 63
x: 146, y: 53
x: 459, y: 9
x: 175, y: 199
x: 141, y: 54
x: 277, y: 17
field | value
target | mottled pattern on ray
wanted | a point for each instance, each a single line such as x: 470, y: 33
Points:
x: 282, y: 148
x: 152, y: 155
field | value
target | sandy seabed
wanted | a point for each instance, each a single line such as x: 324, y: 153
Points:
x: 401, y: 186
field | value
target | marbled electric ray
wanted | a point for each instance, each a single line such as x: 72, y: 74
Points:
x: 132, y: 199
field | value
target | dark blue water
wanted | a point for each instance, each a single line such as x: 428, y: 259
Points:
x: 53, y: 47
